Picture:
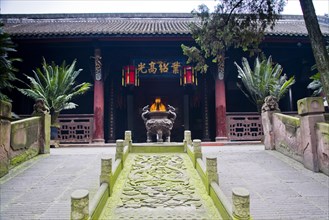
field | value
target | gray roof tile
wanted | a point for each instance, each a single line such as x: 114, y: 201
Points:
x: 128, y: 24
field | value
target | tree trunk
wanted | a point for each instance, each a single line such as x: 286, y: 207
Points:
x: 53, y: 120
x: 317, y: 42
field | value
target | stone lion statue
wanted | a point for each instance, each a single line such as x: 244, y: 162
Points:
x: 270, y: 104
x: 40, y: 107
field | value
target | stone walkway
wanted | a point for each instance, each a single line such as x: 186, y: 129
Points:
x: 280, y: 188
x: 41, y: 188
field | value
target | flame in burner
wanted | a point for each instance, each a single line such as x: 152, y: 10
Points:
x: 157, y: 106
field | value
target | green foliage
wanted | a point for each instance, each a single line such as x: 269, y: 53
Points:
x: 7, y: 70
x: 56, y: 86
x: 316, y: 83
x: 264, y: 80
x: 234, y: 23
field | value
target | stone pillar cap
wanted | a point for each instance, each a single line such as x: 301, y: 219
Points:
x: 196, y: 140
x: 310, y: 105
x: 79, y: 194
x: 240, y: 191
x: 106, y: 157
x: 211, y: 158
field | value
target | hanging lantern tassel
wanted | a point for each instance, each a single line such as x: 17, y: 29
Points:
x: 128, y: 76
x: 196, y: 78
x: 192, y: 75
x: 180, y: 78
x: 184, y: 76
x: 123, y: 77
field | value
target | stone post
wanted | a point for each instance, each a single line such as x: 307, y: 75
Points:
x: 311, y: 111
x: 240, y: 203
x: 267, y: 129
x: 187, y: 139
x: 197, y: 148
x: 211, y: 167
x: 106, y: 170
x: 269, y: 107
x: 80, y: 205
x: 5, y: 128
x: 128, y: 139
x: 44, y: 140
x: 119, y: 149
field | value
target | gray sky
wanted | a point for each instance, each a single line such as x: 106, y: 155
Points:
x: 127, y: 6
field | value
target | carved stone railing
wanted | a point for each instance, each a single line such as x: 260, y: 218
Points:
x: 244, y: 126
x: 75, y: 128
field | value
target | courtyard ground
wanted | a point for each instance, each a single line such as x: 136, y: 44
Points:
x: 280, y: 188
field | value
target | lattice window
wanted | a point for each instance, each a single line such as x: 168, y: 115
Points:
x: 75, y: 128
x: 244, y: 127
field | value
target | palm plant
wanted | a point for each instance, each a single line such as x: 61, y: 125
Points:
x: 265, y: 79
x: 7, y: 70
x: 56, y: 86
x: 316, y: 83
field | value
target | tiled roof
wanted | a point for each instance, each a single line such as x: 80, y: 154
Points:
x: 35, y: 26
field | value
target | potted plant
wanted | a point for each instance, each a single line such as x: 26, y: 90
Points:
x: 264, y: 80
x: 56, y: 85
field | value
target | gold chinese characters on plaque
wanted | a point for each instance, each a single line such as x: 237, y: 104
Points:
x: 158, y: 67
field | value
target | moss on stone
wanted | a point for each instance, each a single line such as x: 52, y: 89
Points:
x: 326, y: 117
x: 3, y: 169
x: 323, y: 127
x: 288, y: 120
x: 324, y: 130
x: 26, y: 155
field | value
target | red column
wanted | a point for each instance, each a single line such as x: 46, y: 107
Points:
x: 98, y: 134
x: 220, y: 96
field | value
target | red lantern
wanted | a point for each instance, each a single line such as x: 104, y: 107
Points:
x: 189, y: 76
x: 129, y: 76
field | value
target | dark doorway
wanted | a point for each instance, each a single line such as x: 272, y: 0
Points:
x: 170, y: 92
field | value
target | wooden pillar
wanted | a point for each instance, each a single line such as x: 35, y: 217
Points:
x: 186, y: 112
x: 111, y: 137
x: 130, y: 111
x: 220, y: 96
x: 205, y: 111
x: 98, y: 133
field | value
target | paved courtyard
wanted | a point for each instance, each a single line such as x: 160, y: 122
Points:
x: 280, y: 188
